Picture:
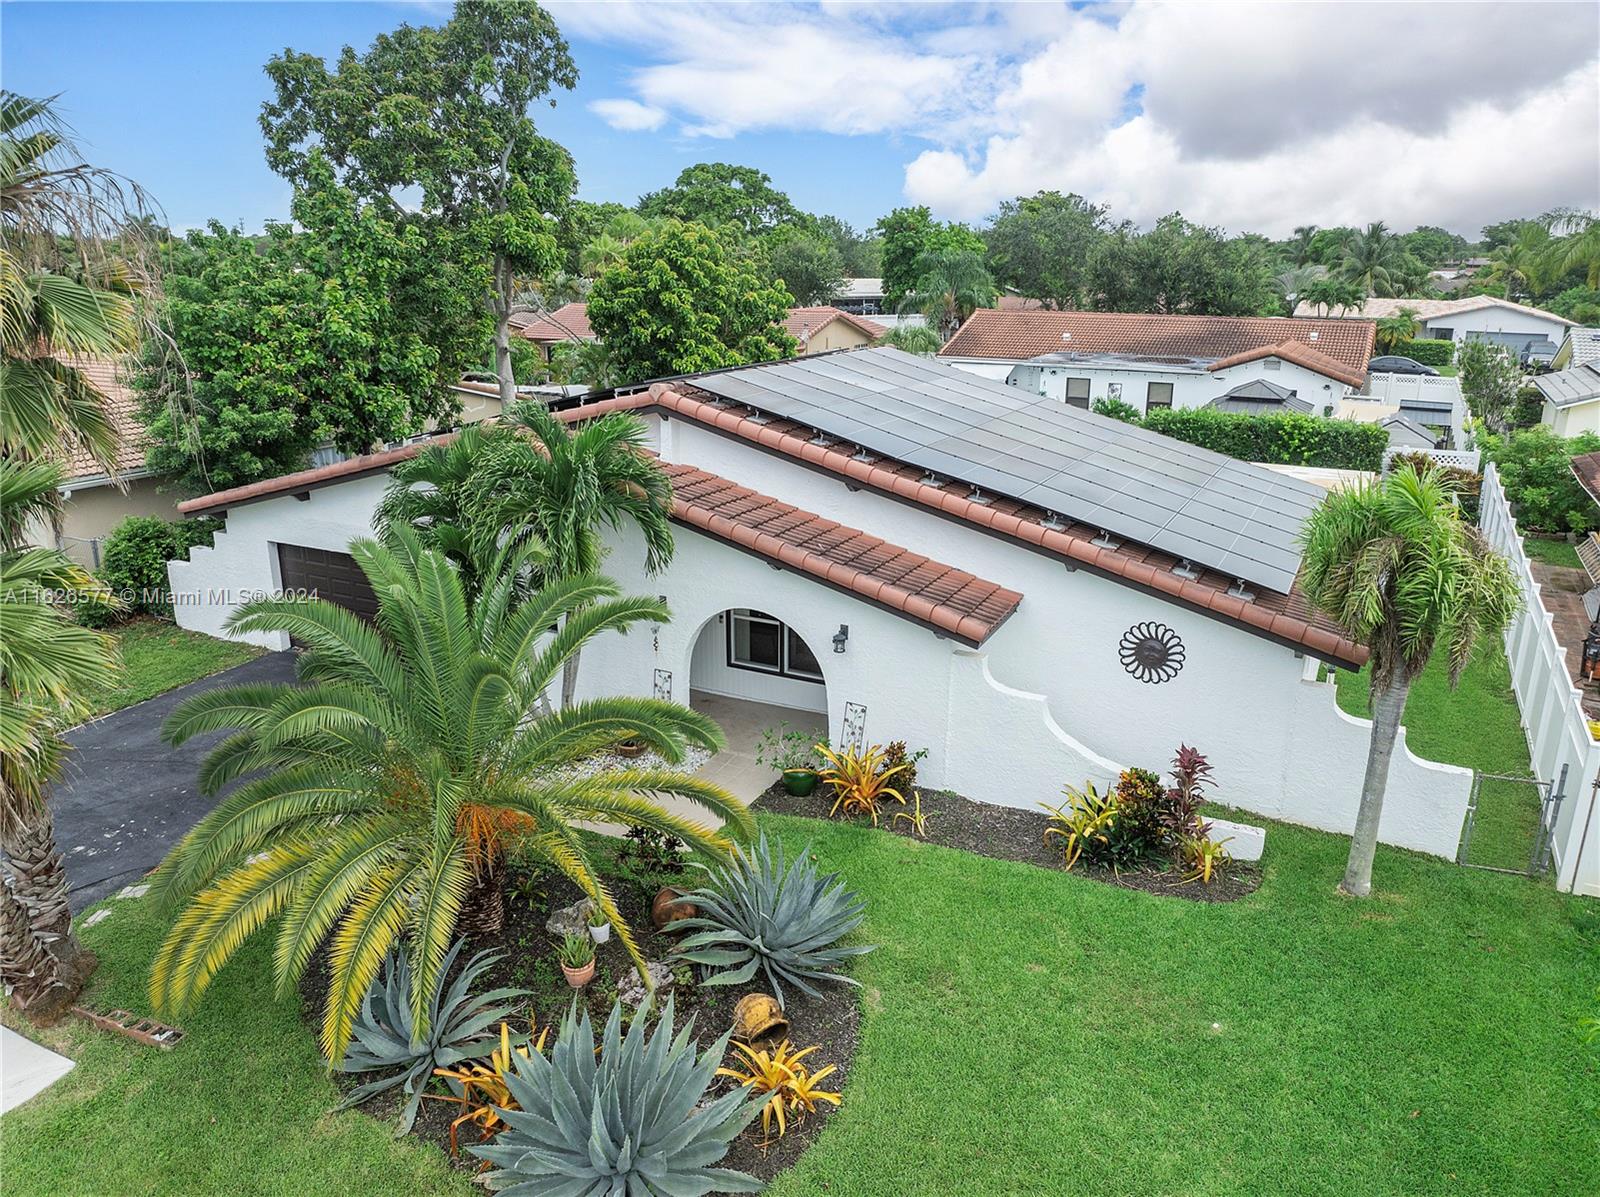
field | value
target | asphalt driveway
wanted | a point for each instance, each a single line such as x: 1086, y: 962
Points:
x: 125, y: 797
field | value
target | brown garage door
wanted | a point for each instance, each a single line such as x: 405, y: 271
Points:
x: 333, y: 576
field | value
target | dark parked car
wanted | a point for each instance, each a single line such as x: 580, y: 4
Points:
x: 1394, y: 364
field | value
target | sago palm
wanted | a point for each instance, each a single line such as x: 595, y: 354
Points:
x: 389, y: 783
x: 50, y: 668
x: 1400, y: 570
x: 567, y: 485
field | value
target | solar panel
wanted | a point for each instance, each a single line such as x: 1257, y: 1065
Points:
x: 1234, y: 517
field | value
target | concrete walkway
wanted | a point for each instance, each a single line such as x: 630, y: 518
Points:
x: 125, y: 798
x: 742, y: 721
x: 26, y: 1069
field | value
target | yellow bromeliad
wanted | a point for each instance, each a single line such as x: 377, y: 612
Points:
x: 860, y: 779
x: 481, y: 1089
x: 791, y: 1086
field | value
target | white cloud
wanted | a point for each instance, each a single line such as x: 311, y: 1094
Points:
x: 1258, y: 116
x: 628, y: 115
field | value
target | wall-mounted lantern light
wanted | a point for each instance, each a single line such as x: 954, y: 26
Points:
x: 840, y: 637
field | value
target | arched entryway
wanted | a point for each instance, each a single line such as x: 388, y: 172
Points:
x: 749, y: 671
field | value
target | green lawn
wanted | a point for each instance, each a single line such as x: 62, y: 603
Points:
x: 158, y: 656
x: 1478, y: 727
x: 1025, y: 1031
x: 1552, y: 552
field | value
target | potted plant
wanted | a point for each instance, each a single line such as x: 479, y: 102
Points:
x: 793, y: 754
x: 630, y: 747
x: 577, y: 960
x: 599, y: 927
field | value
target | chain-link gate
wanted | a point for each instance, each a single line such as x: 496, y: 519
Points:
x: 1511, y: 823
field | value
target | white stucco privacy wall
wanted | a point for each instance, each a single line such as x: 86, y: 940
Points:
x: 1043, y: 703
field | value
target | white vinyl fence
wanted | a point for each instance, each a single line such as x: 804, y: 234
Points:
x: 1552, y: 707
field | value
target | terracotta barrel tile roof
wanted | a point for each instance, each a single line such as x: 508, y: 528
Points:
x: 1019, y: 335
x: 569, y: 322
x: 1301, y: 354
x: 110, y: 376
x: 1288, y: 618
x: 948, y: 599
x: 802, y: 323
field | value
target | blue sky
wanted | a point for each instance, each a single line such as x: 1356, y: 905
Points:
x: 1249, y: 116
x: 189, y: 132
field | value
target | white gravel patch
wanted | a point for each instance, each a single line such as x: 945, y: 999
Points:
x: 611, y: 762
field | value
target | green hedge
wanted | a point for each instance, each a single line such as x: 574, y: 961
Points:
x: 1437, y: 354
x: 133, y: 562
x: 1287, y: 438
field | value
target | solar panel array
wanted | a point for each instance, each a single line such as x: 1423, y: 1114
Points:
x: 1239, y: 519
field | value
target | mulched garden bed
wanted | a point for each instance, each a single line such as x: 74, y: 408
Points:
x: 1008, y: 833
x: 831, y: 1020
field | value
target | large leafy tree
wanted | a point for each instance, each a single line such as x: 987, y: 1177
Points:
x: 385, y: 789
x: 1397, y: 566
x: 722, y: 195
x: 951, y: 285
x: 907, y: 234
x: 807, y: 265
x: 860, y: 254
x: 1180, y: 267
x: 1490, y: 380
x: 443, y: 111
x: 289, y: 340
x: 1040, y: 246
x: 680, y: 301
x: 72, y: 260
x: 567, y: 486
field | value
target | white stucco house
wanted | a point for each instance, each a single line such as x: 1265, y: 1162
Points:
x: 1571, y: 399
x: 1580, y: 345
x: 1532, y: 332
x: 1152, y: 361
x: 1037, y: 595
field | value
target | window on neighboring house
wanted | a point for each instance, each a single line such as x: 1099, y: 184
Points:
x: 1078, y: 392
x: 759, y: 642
x: 1158, y: 394
x: 1442, y: 334
x: 1272, y: 363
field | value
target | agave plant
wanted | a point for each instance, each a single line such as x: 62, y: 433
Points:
x: 625, y: 1120
x: 385, y: 1037
x: 757, y: 914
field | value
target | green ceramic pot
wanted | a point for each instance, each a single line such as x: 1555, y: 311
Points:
x: 799, y: 782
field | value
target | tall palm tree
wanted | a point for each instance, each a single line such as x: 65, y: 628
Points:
x: 50, y: 666
x: 1577, y: 245
x: 1300, y: 246
x: 1520, y: 265
x: 1396, y: 565
x: 567, y: 485
x: 1391, y: 330
x: 1371, y: 257
x: 1292, y: 284
x: 1333, y: 294
x: 72, y: 260
x: 912, y: 338
x: 951, y: 284
x: 387, y: 787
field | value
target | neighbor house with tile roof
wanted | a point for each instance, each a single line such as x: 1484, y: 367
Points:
x: 1152, y: 361
x: 1532, y: 332
x: 818, y: 329
x: 93, y: 499
x: 1037, y: 595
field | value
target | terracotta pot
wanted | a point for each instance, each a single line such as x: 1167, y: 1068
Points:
x: 630, y: 748
x: 579, y: 977
x: 799, y: 782
x: 669, y: 907
x: 757, y: 1016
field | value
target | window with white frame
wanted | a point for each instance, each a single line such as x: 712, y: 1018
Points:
x: 758, y: 642
x: 1158, y: 394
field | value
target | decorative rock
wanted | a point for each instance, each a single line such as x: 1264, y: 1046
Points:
x: 631, y: 988
x: 570, y: 920
x: 133, y: 891
x: 1245, y: 841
